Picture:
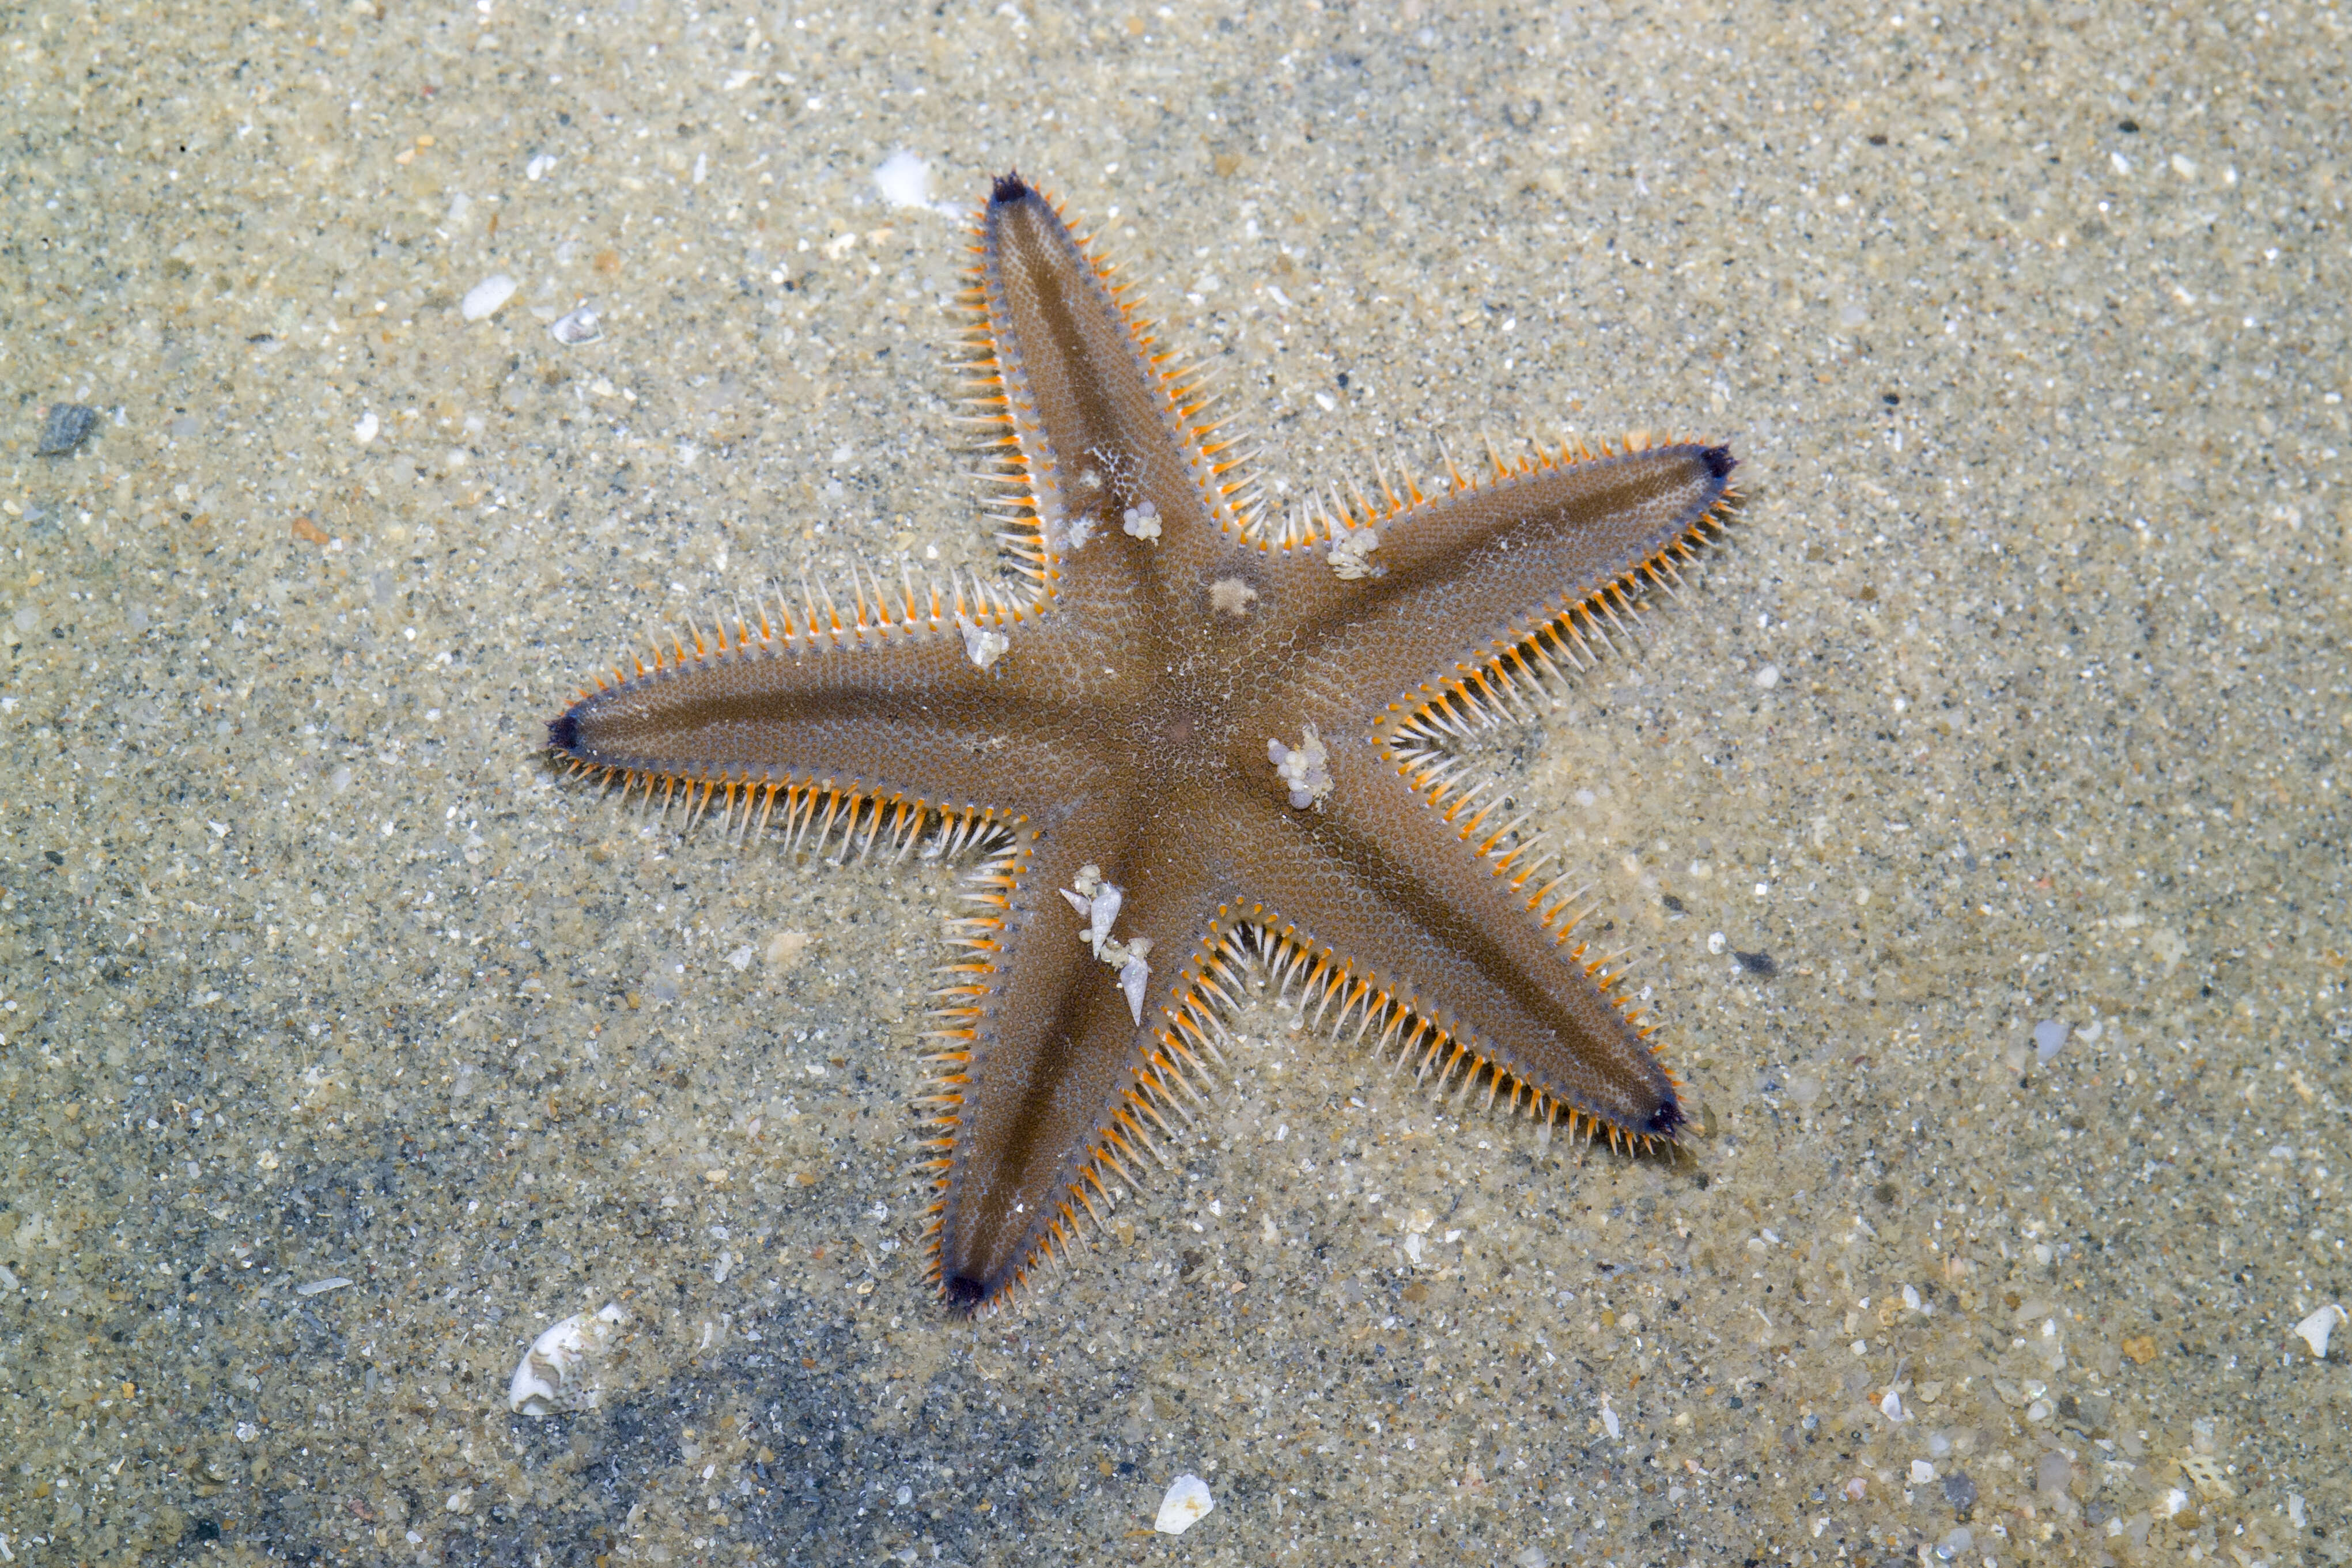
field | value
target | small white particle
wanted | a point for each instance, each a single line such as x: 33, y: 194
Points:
x: 983, y: 645
x: 1305, y: 769
x: 1134, y: 975
x: 364, y: 431
x: 1351, y: 555
x: 904, y: 180
x: 576, y: 326
x: 2315, y: 1329
x: 1769, y: 676
x: 484, y: 299
x: 316, y: 1286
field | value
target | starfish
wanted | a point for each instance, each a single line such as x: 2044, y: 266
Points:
x: 1200, y: 737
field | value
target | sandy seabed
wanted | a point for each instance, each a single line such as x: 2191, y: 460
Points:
x: 1975, y: 823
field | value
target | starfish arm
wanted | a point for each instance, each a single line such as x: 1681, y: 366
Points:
x: 1058, y: 1066
x: 1106, y: 463
x: 1487, y: 568
x: 903, y: 716
x: 1383, y: 890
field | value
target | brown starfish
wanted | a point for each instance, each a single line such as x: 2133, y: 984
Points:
x: 1201, y: 733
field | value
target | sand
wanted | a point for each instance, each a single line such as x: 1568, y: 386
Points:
x: 1974, y: 824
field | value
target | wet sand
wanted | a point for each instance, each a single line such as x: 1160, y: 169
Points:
x: 1975, y: 821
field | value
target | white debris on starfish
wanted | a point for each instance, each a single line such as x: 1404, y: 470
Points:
x: 1304, y: 768
x: 1098, y: 902
x: 1142, y: 521
x: 1351, y: 556
x: 983, y: 645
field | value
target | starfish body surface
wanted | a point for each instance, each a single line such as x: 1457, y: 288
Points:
x: 1200, y: 733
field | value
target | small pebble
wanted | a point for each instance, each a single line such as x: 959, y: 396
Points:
x: 576, y: 326
x: 1187, y: 1503
x: 66, y: 427
x: 1958, y: 1538
x: 484, y: 299
x: 1961, y: 1492
x: 2049, y: 1036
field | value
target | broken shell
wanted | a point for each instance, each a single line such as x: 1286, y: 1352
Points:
x: 1187, y: 1502
x: 579, y: 325
x: 2316, y: 1328
x: 557, y: 1374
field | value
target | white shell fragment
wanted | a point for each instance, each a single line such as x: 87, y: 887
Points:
x: 316, y: 1286
x: 557, y: 1374
x: 1187, y: 1503
x: 1098, y: 902
x: 2049, y: 1038
x: 484, y: 299
x: 982, y: 646
x: 576, y: 326
x: 1135, y: 975
x: 1305, y: 769
x: 2315, y: 1329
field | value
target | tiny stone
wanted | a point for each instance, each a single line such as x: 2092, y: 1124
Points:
x: 66, y: 427
x: 484, y: 299
x: 1961, y: 1492
x: 576, y: 326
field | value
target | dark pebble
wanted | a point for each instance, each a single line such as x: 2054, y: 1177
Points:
x: 1960, y: 1491
x: 67, y: 426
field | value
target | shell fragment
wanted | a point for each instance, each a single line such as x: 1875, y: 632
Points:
x: 557, y: 1374
x: 2316, y: 1329
x: 1187, y: 1503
